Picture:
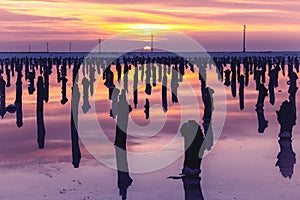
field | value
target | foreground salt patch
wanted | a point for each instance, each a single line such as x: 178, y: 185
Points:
x: 58, y: 181
x: 91, y: 181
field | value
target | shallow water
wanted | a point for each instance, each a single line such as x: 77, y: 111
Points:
x: 240, y: 166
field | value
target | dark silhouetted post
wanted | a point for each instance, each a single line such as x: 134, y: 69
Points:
x: 193, y: 140
x: 40, y: 113
x: 18, y: 101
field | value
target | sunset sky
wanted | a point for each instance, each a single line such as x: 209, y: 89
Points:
x: 215, y: 24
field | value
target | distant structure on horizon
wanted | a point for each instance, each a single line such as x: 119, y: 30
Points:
x: 244, y: 39
x: 152, y: 43
x: 47, y: 47
x: 70, y: 47
x: 99, y: 45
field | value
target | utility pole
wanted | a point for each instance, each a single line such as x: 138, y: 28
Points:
x: 244, y: 40
x: 151, y: 43
x: 99, y: 45
x: 47, y: 47
x: 70, y: 47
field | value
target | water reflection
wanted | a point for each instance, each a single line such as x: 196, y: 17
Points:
x: 192, y: 188
x: 148, y: 89
x: 286, y: 157
x: 76, y: 154
x: 124, y: 179
x: 147, y: 108
x: 164, y: 90
x: 174, y: 84
x: 262, y: 122
x: 135, y: 84
x: 109, y: 80
x: 241, y: 92
x: 2, y: 96
x: 31, y: 77
x: 18, y: 101
x: 207, y: 94
x: 193, y: 140
x: 170, y: 71
x: 86, y: 104
x: 40, y: 113
x: 286, y: 117
x: 64, y: 81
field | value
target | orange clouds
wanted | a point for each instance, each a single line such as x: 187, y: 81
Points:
x: 87, y: 20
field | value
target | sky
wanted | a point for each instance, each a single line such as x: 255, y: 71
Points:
x: 216, y: 24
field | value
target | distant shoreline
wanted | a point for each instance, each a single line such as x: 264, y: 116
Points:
x: 83, y: 52
x: 5, y: 55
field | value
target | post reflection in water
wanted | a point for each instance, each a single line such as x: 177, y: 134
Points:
x: 76, y: 154
x: 64, y: 81
x: 164, y: 90
x: 135, y: 84
x: 286, y: 157
x: 124, y: 179
x: 286, y: 117
x: 192, y: 188
x: 18, y: 101
x: 2, y: 97
x: 40, y: 113
x: 262, y: 122
x: 86, y: 104
x: 193, y: 145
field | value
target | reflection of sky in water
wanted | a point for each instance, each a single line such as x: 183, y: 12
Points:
x: 243, y: 158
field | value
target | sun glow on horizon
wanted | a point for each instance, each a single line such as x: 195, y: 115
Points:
x: 147, y: 48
